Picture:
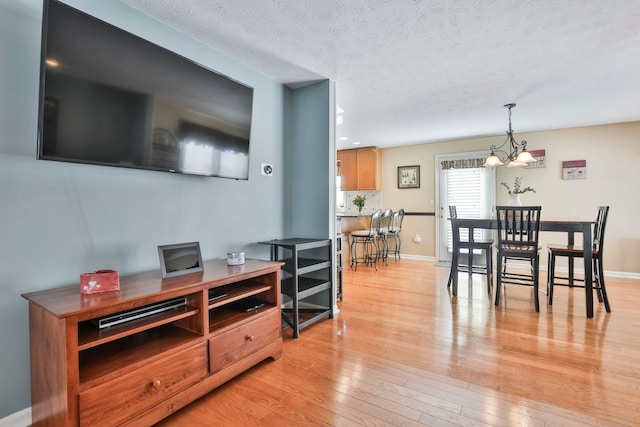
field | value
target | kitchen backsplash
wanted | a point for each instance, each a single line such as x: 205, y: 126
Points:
x: 373, y: 202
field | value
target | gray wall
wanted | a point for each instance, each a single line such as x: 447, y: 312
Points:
x: 58, y: 220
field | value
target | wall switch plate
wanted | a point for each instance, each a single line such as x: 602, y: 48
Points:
x: 266, y: 169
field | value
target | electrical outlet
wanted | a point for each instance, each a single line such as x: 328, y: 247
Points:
x: 266, y: 169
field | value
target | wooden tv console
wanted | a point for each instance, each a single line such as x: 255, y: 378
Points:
x: 141, y: 371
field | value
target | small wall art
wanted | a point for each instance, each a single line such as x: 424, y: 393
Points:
x: 540, y: 156
x: 408, y: 176
x: 574, y: 169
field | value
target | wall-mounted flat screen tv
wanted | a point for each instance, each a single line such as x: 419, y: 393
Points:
x: 108, y: 97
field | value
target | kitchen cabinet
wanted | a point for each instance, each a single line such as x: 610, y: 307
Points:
x: 360, y: 169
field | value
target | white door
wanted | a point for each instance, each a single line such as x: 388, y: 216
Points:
x: 464, y: 183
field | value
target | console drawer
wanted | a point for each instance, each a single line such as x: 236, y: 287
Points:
x: 233, y: 345
x: 116, y: 400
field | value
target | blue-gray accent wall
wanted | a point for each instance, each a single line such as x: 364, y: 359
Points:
x: 58, y: 220
x: 306, y: 157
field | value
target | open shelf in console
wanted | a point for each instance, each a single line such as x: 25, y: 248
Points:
x: 237, y: 292
x: 91, y: 336
x: 225, y: 316
x: 130, y: 351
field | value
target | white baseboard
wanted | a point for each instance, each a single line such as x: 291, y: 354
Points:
x: 17, y: 419
x: 416, y: 257
x: 622, y: 274
x: 578, y: 272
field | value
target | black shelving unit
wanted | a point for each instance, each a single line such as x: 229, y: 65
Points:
x: 307, y: 281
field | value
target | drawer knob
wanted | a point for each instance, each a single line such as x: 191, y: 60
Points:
x: 249, y: 337
x: 156, y: 383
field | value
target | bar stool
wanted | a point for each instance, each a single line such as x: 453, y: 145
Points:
x: 394, y: 230
x: 383, y: 233
x: 572, y: 252
x: 467, y: 246
x: 367, y: 239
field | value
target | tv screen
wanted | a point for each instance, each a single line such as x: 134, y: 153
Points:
x: 108, y: 97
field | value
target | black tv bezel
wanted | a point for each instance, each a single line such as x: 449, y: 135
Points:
x: 42, y: 98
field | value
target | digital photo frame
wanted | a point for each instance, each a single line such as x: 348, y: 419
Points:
x: 180, y: 259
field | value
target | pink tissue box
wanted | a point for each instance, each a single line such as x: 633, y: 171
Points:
x: 99, y: 281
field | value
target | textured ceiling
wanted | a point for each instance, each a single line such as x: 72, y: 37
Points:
x: 411, y: 71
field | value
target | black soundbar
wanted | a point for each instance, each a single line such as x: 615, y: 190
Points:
x: 138, y: 313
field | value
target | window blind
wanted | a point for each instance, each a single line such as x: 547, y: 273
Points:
x: 467, y: 189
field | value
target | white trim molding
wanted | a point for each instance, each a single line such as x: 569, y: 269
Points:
x: 17, y: 419
x: 418, y: 257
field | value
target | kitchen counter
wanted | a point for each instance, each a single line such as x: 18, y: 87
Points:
x: 348, y: 223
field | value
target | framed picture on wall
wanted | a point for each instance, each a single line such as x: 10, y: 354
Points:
x: 408, y: 176
x: 574, y: 169
x: 540, y: 156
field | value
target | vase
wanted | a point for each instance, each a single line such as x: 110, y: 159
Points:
x: 360, y: 210
x: 514, y: 200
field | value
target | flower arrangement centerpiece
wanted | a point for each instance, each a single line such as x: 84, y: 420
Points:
x: 517, y: 190
x: 359, y: 202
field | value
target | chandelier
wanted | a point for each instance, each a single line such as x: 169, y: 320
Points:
x: 517, y: 157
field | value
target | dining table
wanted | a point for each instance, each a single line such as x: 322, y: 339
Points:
x: 569, y: 227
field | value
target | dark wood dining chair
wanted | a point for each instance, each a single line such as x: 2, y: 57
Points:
x: 572, y: 252
x: 518, y: 238
x: 467, y: 245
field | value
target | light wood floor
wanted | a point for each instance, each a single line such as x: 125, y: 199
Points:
x: 402, y: 352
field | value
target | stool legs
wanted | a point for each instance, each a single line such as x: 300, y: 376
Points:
x: 384, y: 250
x: 370, y: 251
